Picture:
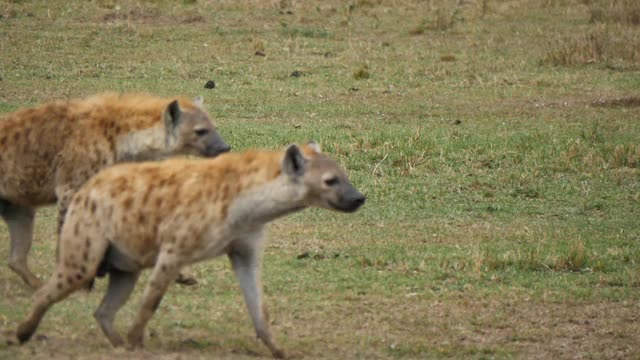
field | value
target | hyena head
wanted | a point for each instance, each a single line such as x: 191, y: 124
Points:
x: 190, y: 131
x: 326, y: 184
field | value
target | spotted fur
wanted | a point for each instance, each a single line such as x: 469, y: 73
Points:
x: 166, y: 215
x: 48, y: 152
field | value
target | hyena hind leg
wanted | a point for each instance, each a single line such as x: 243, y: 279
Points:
x: 55, y: 289
x: 121, y: 285
x: 20, y: 221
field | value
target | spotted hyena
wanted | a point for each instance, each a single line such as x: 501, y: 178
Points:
x: 169, y: 214
x: 48, y: 152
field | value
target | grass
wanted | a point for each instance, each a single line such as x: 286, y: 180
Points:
x: 497, y: 142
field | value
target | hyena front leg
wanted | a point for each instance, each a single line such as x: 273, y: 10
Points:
x: 246, y: 264
x: 20, y: 221
x: 121, y: 285
x: 164, y: 273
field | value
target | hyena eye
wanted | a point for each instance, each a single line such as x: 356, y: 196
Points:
x: 201, y: 132
x: 332, y: 181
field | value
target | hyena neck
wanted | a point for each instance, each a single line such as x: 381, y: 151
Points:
x: 266, y: 202
x: 142, y: 145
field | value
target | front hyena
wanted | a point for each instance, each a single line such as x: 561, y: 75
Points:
x: 48, y: 152
x: 173, y: 213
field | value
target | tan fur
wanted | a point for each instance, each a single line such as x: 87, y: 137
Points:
x: 48, y: 152
x: 173, y: 213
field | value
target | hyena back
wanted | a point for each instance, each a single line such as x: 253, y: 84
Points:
x: 48, y: 152
x: 173, y: 213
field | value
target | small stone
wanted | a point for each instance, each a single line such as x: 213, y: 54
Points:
x: 260, y: 53
x: 304, y: 255
x: 210, y: 84
x: 296, y: 73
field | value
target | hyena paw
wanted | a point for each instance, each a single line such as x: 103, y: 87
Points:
x: 186, y: 279
x: 135, y: 340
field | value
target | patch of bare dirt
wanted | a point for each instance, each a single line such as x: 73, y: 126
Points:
x: 617, y: 102
x: 623, y: 102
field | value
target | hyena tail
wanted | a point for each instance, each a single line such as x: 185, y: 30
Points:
x: 103, y: 269
x: 3, y: 205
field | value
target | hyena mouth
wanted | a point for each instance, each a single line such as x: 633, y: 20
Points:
x: 213, y: 152
x: 348, y: 206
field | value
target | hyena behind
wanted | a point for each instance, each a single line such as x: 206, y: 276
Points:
x: 48, y: 152
x: 173, y: 213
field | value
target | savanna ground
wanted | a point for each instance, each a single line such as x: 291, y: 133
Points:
x: 497, y: 141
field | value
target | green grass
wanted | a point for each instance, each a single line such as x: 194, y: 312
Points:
x: 497, y: 142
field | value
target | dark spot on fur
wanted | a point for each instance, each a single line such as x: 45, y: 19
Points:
x: 225, y: 191
x: 93, y: 207
x: 59, y: 286
x: 83, y: 269
x: 78, y: 276
x: 76, y: 229
x: 145, y: 198
x: 60, y: 276
x: 3, y: 141
x: 69, y: 280
x: 141, y: 219
x: 163, y: 268
x: 85, y: 257
x: 159, y: 202
x: 127, y: 203
x: 224, y: 210
x: 27, y: 131
x: 170, y: 251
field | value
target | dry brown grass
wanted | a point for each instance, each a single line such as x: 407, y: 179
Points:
x: 603, y: 44
x: 618, y: 11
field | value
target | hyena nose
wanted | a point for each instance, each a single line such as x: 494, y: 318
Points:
x: 355, y: 201
x: 358, y: 201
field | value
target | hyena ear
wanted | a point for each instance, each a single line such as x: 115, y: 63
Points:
x: 293, y: 163
x: 314, y: 146
x: 172, y: 115
x: 198, y: 101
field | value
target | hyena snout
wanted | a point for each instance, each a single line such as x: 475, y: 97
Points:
x: 215, y: 146
x: 350, y: 201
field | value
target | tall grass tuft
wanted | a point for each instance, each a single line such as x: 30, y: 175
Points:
x: 601, y: 45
